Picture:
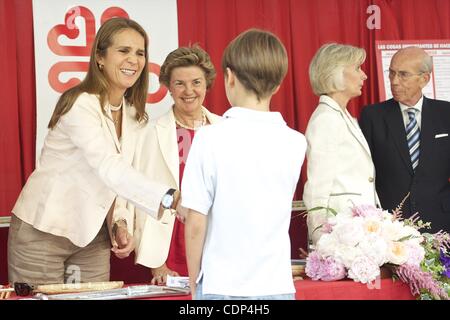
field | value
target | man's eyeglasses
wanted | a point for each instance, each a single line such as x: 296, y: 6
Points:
x: 402, y: 75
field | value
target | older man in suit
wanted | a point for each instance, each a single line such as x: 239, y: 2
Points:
x: 409, y: 141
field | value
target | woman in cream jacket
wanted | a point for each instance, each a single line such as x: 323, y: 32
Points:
x: 340, y: 172
x: 161, y: 154
x: 59, y: 228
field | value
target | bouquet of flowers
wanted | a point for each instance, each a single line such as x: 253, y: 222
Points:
x: 356, y: 244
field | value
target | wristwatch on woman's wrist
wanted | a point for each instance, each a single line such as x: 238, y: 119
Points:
x: 167, y: 199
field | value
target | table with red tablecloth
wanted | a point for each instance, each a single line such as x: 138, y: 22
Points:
x: 384, y: 289
x: 307, y: 289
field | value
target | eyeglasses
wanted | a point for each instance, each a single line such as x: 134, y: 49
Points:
x: 402, y: 75
x: 23, y: 289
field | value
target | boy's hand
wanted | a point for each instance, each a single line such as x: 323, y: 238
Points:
x: 181, y: 213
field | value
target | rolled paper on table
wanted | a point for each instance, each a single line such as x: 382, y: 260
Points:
x: 78, y: 287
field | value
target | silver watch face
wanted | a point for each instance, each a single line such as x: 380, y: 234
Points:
x: 167, y: 201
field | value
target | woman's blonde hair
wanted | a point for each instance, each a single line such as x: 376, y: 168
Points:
x: 187, y: 57
x: 326, y: 71
x: 258, y: 59
x: 95, y: 81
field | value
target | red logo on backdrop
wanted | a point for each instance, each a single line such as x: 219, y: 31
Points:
x: 71, y: 31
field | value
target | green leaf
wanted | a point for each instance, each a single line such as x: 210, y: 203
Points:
x: 407, y: 238
x: 328, y: 209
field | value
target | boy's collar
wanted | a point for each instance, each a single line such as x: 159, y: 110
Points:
x: 255, y: 115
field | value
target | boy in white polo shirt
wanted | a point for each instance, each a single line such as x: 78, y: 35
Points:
x: 239, y: 182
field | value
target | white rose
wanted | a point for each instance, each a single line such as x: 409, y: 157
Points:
x: 327, y: 244
x: 375, y: 248
x: 347, y: 254
x: 398, y: 252
x: 350, y: 232
x: 391, y: 230
x: 372, y: 226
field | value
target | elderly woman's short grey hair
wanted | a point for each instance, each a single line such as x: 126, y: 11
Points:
x: 326, y: 71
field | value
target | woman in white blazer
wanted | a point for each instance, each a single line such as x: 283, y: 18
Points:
x: 161, y: 153
x: 59, y: 231
x: 340, y: 172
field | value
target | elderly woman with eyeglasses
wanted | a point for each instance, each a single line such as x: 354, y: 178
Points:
x: 340, y: 172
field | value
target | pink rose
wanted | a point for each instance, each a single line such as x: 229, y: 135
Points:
x: 365, y: 210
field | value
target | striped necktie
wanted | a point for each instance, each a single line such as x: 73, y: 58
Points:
x: 413, y: 138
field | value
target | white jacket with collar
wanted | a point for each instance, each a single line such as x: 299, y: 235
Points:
x: 82, y: 169
x: 158, y: 158
x: 340, y: 171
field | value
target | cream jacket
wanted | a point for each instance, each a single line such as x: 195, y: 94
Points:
x: 157, y: 157
x: 82, y: 168
x: 340, y: 171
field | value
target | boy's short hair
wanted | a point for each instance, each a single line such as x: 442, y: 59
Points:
x: 326, y: 71
x: 258, y: 59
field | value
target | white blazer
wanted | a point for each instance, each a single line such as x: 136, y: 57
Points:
x: 340, y: 171
x: 82, y: 168
x: 157, y: 157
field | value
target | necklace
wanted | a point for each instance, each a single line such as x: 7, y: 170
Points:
x: 182, y: 125
x: 114, y: 108
x: 116, y: 120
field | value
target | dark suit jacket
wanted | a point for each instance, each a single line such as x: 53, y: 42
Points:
x: 429, y: 186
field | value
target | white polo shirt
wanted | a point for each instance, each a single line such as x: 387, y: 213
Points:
x: 242, y: 173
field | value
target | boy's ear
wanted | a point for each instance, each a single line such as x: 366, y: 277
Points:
x: 229, y: 77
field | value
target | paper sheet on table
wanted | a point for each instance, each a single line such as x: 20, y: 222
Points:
x: 177, y: 282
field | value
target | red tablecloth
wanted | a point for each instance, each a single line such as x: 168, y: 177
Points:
x: 385, y: 289
x: 308, y: 289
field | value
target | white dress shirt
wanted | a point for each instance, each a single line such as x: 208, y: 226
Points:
x: 417, y: 108
x: 242, y: 173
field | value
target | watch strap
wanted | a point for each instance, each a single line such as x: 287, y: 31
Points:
x: 171, y: 191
